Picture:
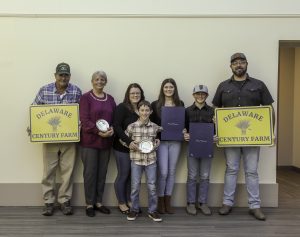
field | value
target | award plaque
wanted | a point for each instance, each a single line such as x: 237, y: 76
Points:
x: 102, y: 125
x: 146, y: 146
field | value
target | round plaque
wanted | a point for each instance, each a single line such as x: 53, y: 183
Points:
x: 146, y: 146
x: 102, y: 125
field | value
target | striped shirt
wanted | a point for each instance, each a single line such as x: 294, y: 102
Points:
x: 48, y: 95
x: 138, y: 131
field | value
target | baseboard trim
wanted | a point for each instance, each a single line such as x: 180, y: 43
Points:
x: 289, y: 167
x: 30, y: 194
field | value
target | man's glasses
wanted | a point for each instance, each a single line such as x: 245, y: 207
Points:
x: 235, y: 63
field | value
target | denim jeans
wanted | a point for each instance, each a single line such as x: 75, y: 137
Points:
x: 122, y: 182
x: 136, y: 176
x: 250, y: 156
x: 198, y: 167
x: 167, y: 157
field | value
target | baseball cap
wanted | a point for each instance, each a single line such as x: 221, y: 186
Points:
x: 237, y: 56
x: 63, y: 68
x: 200, y: 88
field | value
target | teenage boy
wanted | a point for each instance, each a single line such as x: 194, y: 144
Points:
x: 198, y: 112
x: 143, y: 132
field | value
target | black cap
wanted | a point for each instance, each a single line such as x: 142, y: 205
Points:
x: 63, y: 68
x: 237, y: 56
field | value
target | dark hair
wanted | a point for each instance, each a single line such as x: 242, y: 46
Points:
x: 126, y: 100
x: 145, y: 103
x: 161, y: 96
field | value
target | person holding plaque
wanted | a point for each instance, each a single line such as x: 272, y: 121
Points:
x: 96, y: 110
x: 143, y: 158
x: 58, y: 155
x: 199, y: 165
x: 242, y: 90
x: 125, y: 114
x: 168, y: 151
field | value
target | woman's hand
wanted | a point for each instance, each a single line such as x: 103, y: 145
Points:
x: 186, y: 135
x: 108, y: 133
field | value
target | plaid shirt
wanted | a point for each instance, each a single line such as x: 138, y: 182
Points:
x: 48, y: 95
x: 138, y: 131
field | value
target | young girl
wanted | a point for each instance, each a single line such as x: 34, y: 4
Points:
x: 168, y: 151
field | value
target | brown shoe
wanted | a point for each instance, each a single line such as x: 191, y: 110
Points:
x: 48, y: 209
x: 66, y: 208
x: 257, y: 213
x: 168, y: 206
x: 161, y: 205
x: 225, y: 210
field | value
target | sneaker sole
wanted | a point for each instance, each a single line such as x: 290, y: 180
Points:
x: 156, y: 220
x: 190, y: 213
x: 131, y: 218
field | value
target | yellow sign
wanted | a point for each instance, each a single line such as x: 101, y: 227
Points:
x: 244, y: 126
x: 54, y: 123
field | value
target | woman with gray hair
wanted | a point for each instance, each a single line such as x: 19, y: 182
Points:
x: 96, y: 142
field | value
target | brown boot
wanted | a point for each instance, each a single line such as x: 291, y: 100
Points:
x: 161, y: 205
x: 169, y: 209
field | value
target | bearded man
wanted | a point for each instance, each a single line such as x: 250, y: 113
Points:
x: 242, y: 90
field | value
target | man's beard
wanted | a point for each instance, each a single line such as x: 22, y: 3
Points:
x: 239, y: 72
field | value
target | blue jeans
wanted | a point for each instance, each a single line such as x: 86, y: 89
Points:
x: 122, y: 182
x: 250, y: 156
x: 198, y: 167
x: 167, y: 157
x: 136, y: 176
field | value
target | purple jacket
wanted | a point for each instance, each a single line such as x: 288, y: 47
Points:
x: 92, y: 108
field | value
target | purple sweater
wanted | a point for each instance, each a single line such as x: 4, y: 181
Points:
x: 92, y: 108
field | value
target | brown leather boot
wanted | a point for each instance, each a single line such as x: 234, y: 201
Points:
x: 168, y: 207
x: 161, y: 205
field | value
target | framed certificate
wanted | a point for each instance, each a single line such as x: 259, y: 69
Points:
x: 244, y: 126
x: 172, y: 121
x: 54, y: 123
x: 201, y: 144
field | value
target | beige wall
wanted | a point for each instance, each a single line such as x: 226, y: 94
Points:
x: 138, y: 41
x: 213, y: 8
x: 145, y: 50
x: 286, y: 106
x: 296, y: 140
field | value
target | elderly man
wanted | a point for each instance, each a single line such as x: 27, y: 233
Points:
x: 60, y: 155
x: 241, y: 90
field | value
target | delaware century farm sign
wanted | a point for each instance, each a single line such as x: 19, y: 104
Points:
x: 54, y: 123
x: 244, y: 126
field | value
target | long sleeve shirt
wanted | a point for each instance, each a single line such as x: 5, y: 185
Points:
x: 91, y: 109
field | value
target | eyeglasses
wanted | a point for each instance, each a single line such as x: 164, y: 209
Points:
x: 235, y: 63
x: 135, y: 93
